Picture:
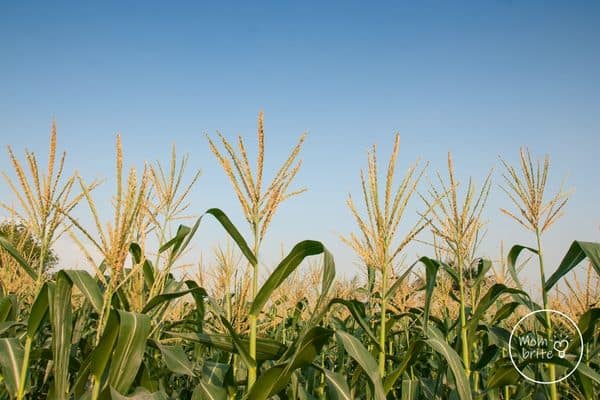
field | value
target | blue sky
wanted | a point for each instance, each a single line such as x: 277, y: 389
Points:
x: 479, y: 79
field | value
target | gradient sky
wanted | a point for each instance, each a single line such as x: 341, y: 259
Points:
x: 475, y: 79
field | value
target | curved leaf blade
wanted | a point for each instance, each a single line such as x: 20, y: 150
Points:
x: 7, y: 245
x: 11, y: 360
x: 61, y: 322
x: 359, y: 353
x: 300, y: 251
x: 578, y: 252
x: 437, y: 342
x: 234, y: 233
x: 129, y: 349
x: 176, y: 359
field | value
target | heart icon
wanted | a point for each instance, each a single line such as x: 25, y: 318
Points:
x: 561, y: 346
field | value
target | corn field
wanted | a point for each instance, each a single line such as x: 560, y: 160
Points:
x: 133, y: 327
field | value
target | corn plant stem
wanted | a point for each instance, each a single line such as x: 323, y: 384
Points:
x: 252, y: 349
x: 229, y: 316
x: 161, y: 240
x: 40, y: 268
x: 475, y: 354
x: 506, y: 387
x: 228, y: 312
x: 463, y: 320
x: 28, y: 341
x: 382, y: 333
x: 412, y: 373
x: 283, y: 330
x: 474, y: 344
x: 551, y: 367
x: 24, y: 367
x: 390, y: 351
x: 96, y: 389
x: 322, y: 379
x: 234, y: 360
x: 105, y: 311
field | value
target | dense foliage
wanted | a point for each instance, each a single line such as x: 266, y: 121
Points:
x: 437, y: 328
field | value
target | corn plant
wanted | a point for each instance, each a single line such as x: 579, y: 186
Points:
x: 377, y: 245
x: 526, y: 188
x: 259, y: 205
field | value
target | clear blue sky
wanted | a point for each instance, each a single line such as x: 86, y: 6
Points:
x: 479, y: 79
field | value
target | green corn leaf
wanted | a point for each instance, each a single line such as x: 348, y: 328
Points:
x: 502, y: 376
x: 175, y: 242
x: 504, y: 312
x: 120, y: 300
x: 587, y: 323
x: 411, y: 353
x: 207, y: 391
x: 309, y: 347
x: 431, y: 269
x: 359, y: 353
x: 588, y: 372
x: 7, y: 245
x: 585, y: 384
x: 100, y: 357
x: 58, y: 304
x: 122, y: 346
x: 176, y: 359
x: 487, y: 356
x: 328, y: 275
x: 266, y: 349
x: 398, y: 283
x: 337, y: 386
x: 234, y: 233
x: 95, y: 364
x: 61, y: 322
x: 6, y: 309
x: 483, y: 266
x: 148, y: 270
x: 164, y: 297
x: 276, y: 378
x: 87, y: 285
x: 268, y: 382
x: 39, y: 310
x: 452, y: 273
x: 136, y: 253
x: 513, y: 255
x: 11, y: 360
x: 437, y: 342
x: 7, y: 325
x: 215, y: 372
x: 129, y: 349
x: 409, y: 389
x: 283, y: 270
x: 487, y: 301
x: 238, y: 344
x: 138, y: 394
x: 320, y: 307
x: 357, y: 310
x: 189, y: 236
x: 578, y: 252
x: 199, y: 296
